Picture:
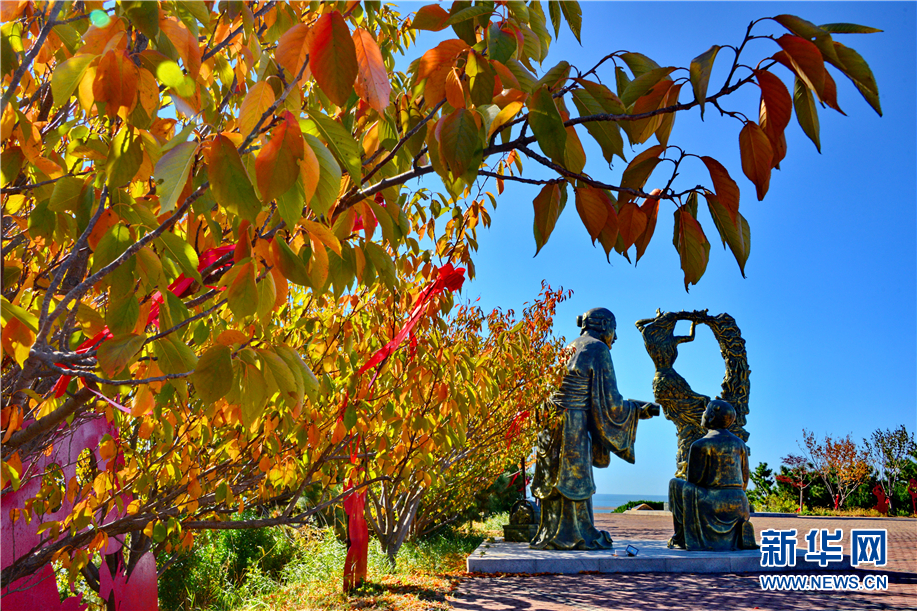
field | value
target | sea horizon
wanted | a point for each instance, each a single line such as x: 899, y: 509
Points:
x: 607, y: 502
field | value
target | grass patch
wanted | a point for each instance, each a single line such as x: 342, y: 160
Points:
x: 310, y: 576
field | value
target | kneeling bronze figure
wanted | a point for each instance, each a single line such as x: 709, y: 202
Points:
x: 709, y: 508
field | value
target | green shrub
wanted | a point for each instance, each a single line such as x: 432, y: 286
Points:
x: 657, y: 505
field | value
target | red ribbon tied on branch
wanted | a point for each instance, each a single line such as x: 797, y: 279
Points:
x: 448, y: 278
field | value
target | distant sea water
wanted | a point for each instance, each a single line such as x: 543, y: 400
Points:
x: 605, y: 503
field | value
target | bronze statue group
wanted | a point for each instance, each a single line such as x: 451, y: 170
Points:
x: 588, y: 420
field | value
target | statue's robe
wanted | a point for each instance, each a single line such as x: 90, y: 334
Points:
x: 594, y: 421
x: 710, y: 507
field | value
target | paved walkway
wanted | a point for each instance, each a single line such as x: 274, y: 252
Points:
x: 728, y: 592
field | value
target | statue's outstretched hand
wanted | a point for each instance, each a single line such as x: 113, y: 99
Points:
x: 649, y: 410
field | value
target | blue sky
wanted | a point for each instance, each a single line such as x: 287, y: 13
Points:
x: 828, y: 307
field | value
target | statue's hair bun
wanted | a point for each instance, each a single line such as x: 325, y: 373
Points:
x: 579, y: 320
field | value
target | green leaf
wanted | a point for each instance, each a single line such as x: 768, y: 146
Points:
x: 9, y: 311
x: 500, y: 45
x: 173, y: 170
x: 469, y: 13
x: 124, y: 157
x: 229, y: 182
x: 638, y: 63
x: 173, y: 355
x: 350, y: 416
x: 329, y: 180
x: 67, y: 75
x: 739, y: 241
x: 118, y: 352
x: 548, y: 206
x: 279, y: 370
x: 554, y: 78
x: 290, y: 265
x: 182, y: 253
x: 574, y: 16
x: 701, y: 67
x: 606, y: 133
x: 848, y: 28
x: 383, y: 263
x: 112, y: 245
x: 66, y: 194
x: 253, y: 394
x: 461, y: 144
x: 242, y: 292
x: 642, y: 84
x: 295, y: 362
x: 341, y: 142
x: 290, y: 203
x: 547, y: 124
x: 554, y: 10
x: 806, y: 111
x: 123, y: 311
x: 857, y: 70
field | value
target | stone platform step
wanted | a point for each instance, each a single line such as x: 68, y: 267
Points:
x: 653, y: 557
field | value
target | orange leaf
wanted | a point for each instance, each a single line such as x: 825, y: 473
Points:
x: 310, y: 171
x: 430, y: 17
x: 631, y: 223
x: 258, y: 99
x: 116, y: 82
x: 372, y: 82
x: 277, y: 165
x: 455, y: 93
x: 333, y: 57
x: 757, y: 156
x: 292, y: 49
x: 435, y: 65
x: 592, y: 205
x: 727, y: 191
x: 184, y: 42
x: 650, y: 209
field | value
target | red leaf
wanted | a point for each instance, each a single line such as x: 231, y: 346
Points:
x: 277, y: 165
x: 757, y: 157
x: 775, y: 112
x: 333, y: 57
x: 806, y: 61
x: 372, y: 79
x: 650, y: 209
x: 725, y: 187
x: 116, y: 82
x: 357, y: 540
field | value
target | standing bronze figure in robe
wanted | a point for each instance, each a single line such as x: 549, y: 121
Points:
x: 593, y: 422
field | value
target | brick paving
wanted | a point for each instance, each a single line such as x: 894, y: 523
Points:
x: 732, y: 592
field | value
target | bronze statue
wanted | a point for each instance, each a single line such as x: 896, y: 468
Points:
x: 709, y: 508
x: 680, y: 403
x: 593, y: 421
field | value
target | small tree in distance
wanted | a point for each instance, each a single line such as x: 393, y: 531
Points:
x: 888, y: 452
x: 799, y: 474
x: 840, y: 464
x: 763, y: 479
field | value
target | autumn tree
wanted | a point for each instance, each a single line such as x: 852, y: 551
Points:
x: 472, y: 414
x: 840, y: 463
x: 200, y: 199
x: 798, y: 474
x: 889, y: 452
